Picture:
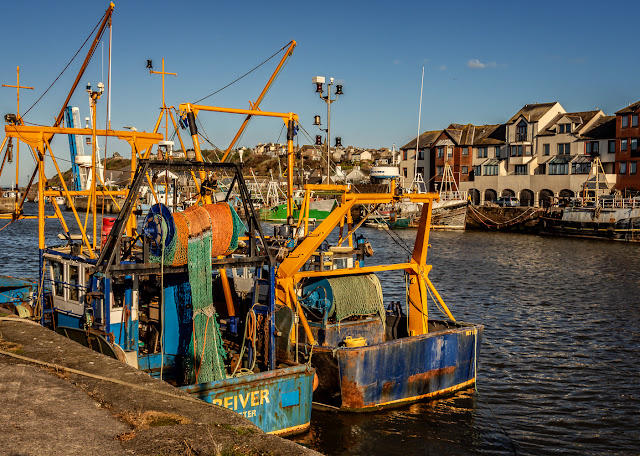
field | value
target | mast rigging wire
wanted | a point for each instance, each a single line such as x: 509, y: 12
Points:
x: 244, y: 75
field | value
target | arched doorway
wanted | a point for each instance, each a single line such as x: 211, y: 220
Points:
x: 546, y: 196
x: 527, y: 198
x: 566, y: 193
x: 508, y: 192
x: 474, y: 194
x: 490, y: 195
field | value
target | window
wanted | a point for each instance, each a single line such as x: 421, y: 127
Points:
x: 521, y: 133
x: 516, y: 151
x: 634, y: 144
x: 404, y: 172
x: 527, y: 150
x: 497, y: 151
x: 490, y: 170
x: 580, y: 168
x: 57, y: 276
x: 421, y: 170
x: 449, y: 151
x: 623, y: 168
x: 73, y: 283
x: 632, y: 167
x: 439, y: 170
x: 477, y: 170
x: 465, y: 170
x: 634, y: 120
x: 563, y: 149
x: 465, y: 151
x: 482, y: 152
x: 623, y: 145
x: 521, y: 170
x: 546, y: 148
x: 404, y: 154
x: 625, y: 121
x: 440, y: 152
x: 592, y: 148
x: 421, y: 154
x: 558, y: 168
x: 612, y: 146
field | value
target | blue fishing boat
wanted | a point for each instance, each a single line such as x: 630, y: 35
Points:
x: 369, y: 355
x: 192, y: 302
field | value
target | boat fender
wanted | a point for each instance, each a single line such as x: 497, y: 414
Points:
x: 351, y: 342
x: 368, y: 250
x: 316, y: 381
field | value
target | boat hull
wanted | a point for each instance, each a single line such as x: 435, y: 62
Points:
x: 399, y: 371
x: 275, y: 401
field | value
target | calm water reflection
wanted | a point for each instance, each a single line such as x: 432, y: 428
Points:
x: 560, y: 361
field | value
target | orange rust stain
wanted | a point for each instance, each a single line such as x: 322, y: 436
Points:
x: 432, y: 373
x: 351, y: 395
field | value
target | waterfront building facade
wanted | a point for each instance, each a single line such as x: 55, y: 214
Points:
x: 627, y: 149
x: 540, y: 153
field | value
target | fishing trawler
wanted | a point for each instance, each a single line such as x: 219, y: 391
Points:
x: 187, y: 296
x: 367, y: 358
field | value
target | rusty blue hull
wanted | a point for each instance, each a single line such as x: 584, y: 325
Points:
x: 275, y: 401
x: 400, y: 370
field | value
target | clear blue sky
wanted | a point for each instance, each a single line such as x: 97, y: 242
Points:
x: 483, y: 61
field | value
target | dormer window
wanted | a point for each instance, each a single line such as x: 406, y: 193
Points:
x: 564, y: 128
x: 521, y: 133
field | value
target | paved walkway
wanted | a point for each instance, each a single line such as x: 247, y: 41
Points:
x: 44, y: 410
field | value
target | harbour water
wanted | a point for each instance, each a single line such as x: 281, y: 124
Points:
x: 559, y: 370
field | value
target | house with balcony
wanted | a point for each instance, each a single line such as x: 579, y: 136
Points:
x: 627, y: 152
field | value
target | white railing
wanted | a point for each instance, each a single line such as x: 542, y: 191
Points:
x: 452, y: 196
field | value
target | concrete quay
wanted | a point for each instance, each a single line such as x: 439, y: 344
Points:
x: 58, y: 397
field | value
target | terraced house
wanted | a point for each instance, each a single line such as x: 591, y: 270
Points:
x: 540, y: 152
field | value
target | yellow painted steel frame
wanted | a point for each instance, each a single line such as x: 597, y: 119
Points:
x: 286, y: 117
x: 37, y: 137
x: 289, y: 274
x: 308, y: 190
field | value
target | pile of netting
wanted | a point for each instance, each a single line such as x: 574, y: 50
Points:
x: 357, y: 295
x: 200, y: 233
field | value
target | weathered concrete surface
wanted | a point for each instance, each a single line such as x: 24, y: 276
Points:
x: 44, y: 411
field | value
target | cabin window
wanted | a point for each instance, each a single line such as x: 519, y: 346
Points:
x: 57, y: 276
x: 74, y: 282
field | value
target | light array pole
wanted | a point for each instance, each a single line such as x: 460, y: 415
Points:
x: 319, y: 81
